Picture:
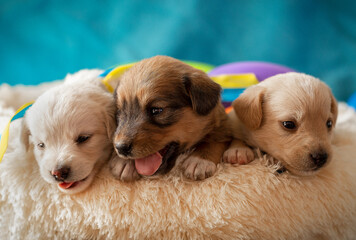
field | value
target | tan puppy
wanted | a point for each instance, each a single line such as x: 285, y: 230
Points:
x: 167, y: 108
x: 289, y: 116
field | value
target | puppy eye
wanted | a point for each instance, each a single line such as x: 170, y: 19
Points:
x: 289, y: 125
x: 41, y: 145
x: 82, y: 139
x: 329, y: 124
x: 155, y: 111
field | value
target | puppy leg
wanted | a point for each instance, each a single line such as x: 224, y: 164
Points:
x: 238, y: 152
x: 202, y: 162
x: 123, y: 169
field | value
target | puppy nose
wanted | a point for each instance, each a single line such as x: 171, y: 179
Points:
x: 319, y: 158
x: 61, y: 174
x: 124, y: 148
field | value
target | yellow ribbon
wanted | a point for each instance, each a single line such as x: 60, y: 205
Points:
x: 5, y: 136
x: 114, y: 75
x: 235, y: 80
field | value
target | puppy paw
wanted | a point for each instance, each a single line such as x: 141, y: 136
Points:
x: 240, y: 155
x: 196, y: 168
x: 123, y: 169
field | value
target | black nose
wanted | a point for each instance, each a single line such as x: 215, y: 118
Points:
x: 319, y: 158
x: 61, y: 174
x: 124, y: 148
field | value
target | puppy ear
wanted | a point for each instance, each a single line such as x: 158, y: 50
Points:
x: 334, y: 107
x: 248, y: 106
x: 25, y: 134
x: 110, y: 123
x: 204, y: 93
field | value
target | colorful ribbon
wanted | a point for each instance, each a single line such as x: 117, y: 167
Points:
x: 5, y: 136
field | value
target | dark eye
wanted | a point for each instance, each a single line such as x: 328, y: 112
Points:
x: 329, y: 124
x: 289, y: 125
x: 82, y: 138
x: 155, y: 111
x: 41, y: 145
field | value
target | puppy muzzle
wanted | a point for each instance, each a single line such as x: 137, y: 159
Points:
x: 60, y: 174
x: 123, y: 148
x: 319, y: 158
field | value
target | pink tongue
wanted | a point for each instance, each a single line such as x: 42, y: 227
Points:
x: 148, y: 165
x: 66, y: 184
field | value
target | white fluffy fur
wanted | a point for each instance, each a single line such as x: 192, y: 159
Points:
x: 80, y: 106
x: 239, y: 202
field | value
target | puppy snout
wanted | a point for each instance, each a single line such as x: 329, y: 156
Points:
x: 61, y: 174
x: 124, y: 148
x: 319, y: 158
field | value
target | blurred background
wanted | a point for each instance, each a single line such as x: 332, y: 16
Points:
x: 43, y: 40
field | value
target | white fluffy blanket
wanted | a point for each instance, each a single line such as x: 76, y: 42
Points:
x: 239, y: 202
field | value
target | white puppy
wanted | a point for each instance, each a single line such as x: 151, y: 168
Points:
x: 289, y: 116
x: 69, y: 128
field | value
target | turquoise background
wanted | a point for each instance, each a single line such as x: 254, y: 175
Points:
x: 43, y: 40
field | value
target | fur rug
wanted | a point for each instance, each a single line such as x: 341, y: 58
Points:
x: 239, y: 202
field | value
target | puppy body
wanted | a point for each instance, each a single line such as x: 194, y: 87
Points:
x: 166, y: 108
x: 289, y: 116
x: 69, y: 129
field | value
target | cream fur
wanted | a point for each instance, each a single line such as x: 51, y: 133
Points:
x: 79, y: 107
x: 298, y: 98
x: 238, y: 202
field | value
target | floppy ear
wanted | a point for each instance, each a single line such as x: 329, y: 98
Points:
x: 334, y: 107
x: 110, y: 123
x: 25, y: 134
x: 204, y: 93
x: 248, y: 107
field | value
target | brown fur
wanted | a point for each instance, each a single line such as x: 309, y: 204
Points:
x: 260, y: 111
x: 192, y: 117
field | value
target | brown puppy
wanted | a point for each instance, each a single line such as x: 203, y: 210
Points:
x: 289, y: 116
x: 167, y: 108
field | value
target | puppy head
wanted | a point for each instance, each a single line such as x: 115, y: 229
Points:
x: 164, y: 107
x: 290, y: 116
x: 70, y: 130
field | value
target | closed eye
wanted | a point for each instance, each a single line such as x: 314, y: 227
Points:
x: 82, y: 139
